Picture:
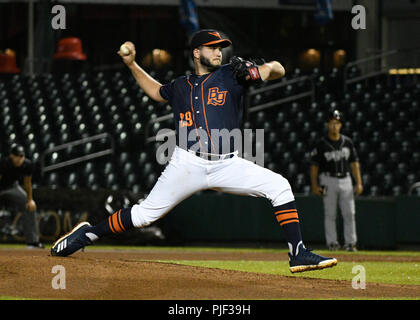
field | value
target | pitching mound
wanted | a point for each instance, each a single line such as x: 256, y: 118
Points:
x: 123, y: 275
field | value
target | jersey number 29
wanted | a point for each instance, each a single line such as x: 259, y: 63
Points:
x: 186, y: 119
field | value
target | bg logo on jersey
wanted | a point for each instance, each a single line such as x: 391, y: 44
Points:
x: 216, y: 97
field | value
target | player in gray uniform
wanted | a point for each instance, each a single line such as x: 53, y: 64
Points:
x: 332, y: 160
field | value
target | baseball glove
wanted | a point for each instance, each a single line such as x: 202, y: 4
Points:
x: 245, y: 70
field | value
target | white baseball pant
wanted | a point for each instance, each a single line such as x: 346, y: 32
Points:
x: 187, y: 174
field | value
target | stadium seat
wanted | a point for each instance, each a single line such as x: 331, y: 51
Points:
x: 259, y: 119
x: 268, y: 157
x: 52, y: 180
x: 366, y: 178
x: 397, y: 190
x: 277, y: 149
x: 272, y: 138
x: 373, y: 191
x: 91, y: 180
x: 280, y: 118
x: 70, y: 49
x: 378, y: 173
x: 285, y: 128
x: 131, y: 180
x: 368, y: 128
x: 313, y: 138
x: 8, y: 62
x: 299, y: 150
x: 111, y: 181
x: 150, y: 181
x: 362, y: 149
x: 401, y: 172
x: 388, y: 184
x: 72, y: 180
x: 58, y: 108
x: 392, y: 160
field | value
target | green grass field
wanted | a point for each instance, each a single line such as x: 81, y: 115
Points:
x: 376, y: 271
x: 381, y: 272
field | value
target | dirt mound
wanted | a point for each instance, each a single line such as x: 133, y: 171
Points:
x: 121, y: 275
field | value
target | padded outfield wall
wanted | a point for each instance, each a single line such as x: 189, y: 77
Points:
x: 380, y: 222
x: 212, y: 218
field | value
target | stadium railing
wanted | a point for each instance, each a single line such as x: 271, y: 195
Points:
x: 83, y: 158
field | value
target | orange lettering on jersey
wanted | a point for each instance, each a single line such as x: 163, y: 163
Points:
x: 216, y: 97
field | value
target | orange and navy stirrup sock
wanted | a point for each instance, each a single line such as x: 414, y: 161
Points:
x: 288, y: 219
x: 119, y: 221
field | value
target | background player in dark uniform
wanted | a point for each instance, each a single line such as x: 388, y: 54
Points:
x: 14, y: 170
x: 206, y: 102
x: 332, y: 160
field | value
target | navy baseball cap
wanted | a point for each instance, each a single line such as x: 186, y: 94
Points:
x: 17, y: 150
x: 208, y: 37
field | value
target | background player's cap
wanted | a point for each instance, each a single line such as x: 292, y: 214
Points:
x: 17, y: 150
x: 208, y: 37
x: 336, y: 115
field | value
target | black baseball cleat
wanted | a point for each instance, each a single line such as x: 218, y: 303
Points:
x: 71, y: 242
x: 306, y: 260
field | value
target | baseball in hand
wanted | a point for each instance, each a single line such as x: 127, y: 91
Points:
x: 124, y: 50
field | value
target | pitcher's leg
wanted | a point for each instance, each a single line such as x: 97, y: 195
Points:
x: 174, y: 185
x: 178, y: 181
x: 243, y: 177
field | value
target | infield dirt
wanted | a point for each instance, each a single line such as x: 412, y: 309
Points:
x: 123, y: 275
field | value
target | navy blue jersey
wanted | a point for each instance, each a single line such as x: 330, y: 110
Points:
x: 203, y: 106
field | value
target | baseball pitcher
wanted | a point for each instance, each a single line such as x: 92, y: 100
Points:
x: 207, y: 101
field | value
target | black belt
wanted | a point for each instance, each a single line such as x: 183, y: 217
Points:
x: 212, y: 156
x: 337, y: 175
